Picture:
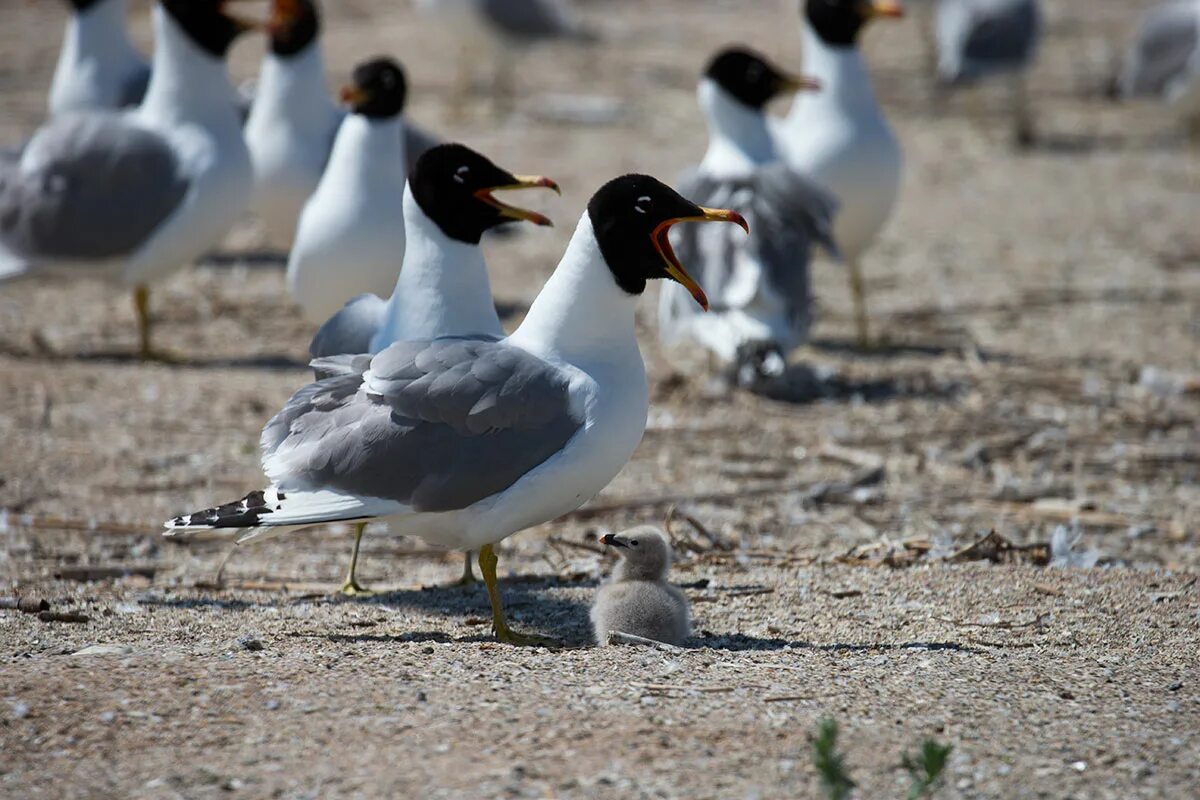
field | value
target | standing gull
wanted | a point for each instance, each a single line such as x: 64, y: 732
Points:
x: 134, y: 196
x: 443, y: 287
x: 1164, y: 59
x: 979, y: 39
x: 839, y: 138
x: 350, y: 239
x: 98, y: 66
x: 639, y: 600
x: 464, y: 442
x: 759, y: 285
x: 294, y: 121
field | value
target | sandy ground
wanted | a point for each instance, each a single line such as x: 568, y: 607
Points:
x: 1020, y: 298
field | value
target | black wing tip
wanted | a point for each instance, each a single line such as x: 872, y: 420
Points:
x: 244, y: 513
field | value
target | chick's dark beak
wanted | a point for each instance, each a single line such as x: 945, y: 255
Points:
x: 662, y: 243
x: 519, y: 182
x: 611, y: 540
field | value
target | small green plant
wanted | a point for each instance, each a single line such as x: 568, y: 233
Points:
x: 829, y: 763
x: 926, y: 768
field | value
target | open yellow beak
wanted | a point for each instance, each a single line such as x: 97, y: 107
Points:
x: 512, y: 212
x: 883, y: 8
x: 662, y: 243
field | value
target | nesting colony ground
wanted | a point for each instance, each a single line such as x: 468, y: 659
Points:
x: 1019, y: 297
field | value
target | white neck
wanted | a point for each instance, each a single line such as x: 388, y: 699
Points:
x: 581, y: 315
x: 188, y: 84
x: 100, y: 32
x: 845, y: 81
x: 738, y: 138
x: 291, y: 91
x: 367, y: 153
x: 443, y: 288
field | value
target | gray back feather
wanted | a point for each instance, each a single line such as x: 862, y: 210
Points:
x: 787, y: 214
x: 102, y: 187
x: 435, y: 425
x: 1164, y: 50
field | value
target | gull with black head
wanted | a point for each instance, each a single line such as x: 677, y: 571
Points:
x: 839, y: 136
x: 464, y: 442
x: 134, y: 196
x: 758, y: 285
x: 443, y: 287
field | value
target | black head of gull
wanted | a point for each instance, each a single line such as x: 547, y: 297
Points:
x: 294, y: 25
x: 750, y: 79
x: 453, y: 185
x: 839, y: 22
x: 377, y: 89
x: 208, y: 25
x: 632, y: 218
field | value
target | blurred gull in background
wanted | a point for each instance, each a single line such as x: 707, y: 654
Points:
x: 98, y: 66
x: 350, y: 238
x: 839, y: 137
x: 758, y: 285
x: 134, y: 196
x: 980, y: 39
x: 1163, y: 60
x: 463, y: 442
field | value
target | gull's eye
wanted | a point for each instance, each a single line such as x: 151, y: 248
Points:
x: 643, y: 204
x: 460, y: 174
x: 754, y: 73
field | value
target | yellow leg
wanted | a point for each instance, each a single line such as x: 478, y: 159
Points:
x: 858, y: 295
x: 141, y: 306
x: 487, y: 566
x: 352, y: 588
x: 146, y: 351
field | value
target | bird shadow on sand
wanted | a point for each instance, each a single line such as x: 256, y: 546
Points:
x: 534, y: 604
x: 741, y: 642
x: 249, y: 259
x: 801, y: 384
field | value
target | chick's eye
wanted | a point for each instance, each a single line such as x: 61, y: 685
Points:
x: 460, y: 174
x: 633, y: 543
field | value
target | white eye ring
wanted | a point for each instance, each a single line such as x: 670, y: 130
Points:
x: 643, y: 199
x: 458, y: 174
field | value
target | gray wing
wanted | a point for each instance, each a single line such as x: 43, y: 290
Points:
x: 416, y: 141
x: 1164, y: 50
x: 351, y: 329
x: 434, y: 425
x: 787, y: 214
x: 89, y: 186
x: 987, y: 36
x: 532, y: 19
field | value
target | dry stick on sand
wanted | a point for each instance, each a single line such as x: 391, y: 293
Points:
x: 617, y: 637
